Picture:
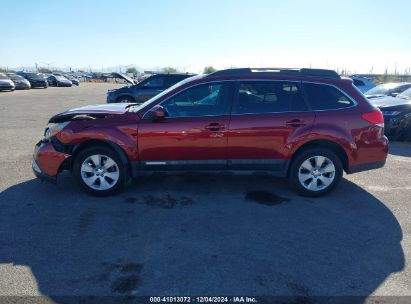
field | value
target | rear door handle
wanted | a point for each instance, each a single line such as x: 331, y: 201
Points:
x: 295, y: 123
x: 214, y: 126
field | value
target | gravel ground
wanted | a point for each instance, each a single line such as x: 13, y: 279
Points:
x: 201, y: 235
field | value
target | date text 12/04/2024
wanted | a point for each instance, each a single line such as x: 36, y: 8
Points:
x: 203, y: 300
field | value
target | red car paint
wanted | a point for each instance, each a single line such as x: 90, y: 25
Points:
x: 226, y: 137
x: 49, y: 160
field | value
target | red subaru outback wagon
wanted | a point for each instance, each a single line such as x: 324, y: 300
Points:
x: 309, y: 125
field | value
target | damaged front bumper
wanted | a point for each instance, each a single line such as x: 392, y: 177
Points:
x: 41, y: 175
x: 47, y: 161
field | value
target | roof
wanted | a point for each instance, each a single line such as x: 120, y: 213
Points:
x: 321, y: 73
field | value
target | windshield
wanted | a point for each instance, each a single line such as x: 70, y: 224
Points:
x: 61, y: 78
x: 33, y: 75
x: 165, y: 92
x: 2, y: 76
x: 405, y: 95
x: 382, y: 89
x: 15, y: 77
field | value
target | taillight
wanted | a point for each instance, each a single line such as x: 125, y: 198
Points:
x: 374, y: 117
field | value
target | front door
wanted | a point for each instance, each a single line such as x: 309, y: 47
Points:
x: 192, y: 136
x: 267, y: 116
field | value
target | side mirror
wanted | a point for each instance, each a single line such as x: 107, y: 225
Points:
x: 158, y: 113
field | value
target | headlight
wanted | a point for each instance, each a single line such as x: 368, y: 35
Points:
x: 391, y: 113
x: 53, y: 129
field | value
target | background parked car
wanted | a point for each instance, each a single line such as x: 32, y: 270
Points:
x: 73, y: 80
x: 144, y: 90
x: 59, y: 81
x: 19, y: 82
x: 397, y: 115
x: 36, y: 79
x: 6, y: 84
x: 362, y: 83
x: 387, y: 89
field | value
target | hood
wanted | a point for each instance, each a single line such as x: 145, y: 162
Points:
x: 125, y: 77
x: 388, y: 101
x: 91, y: 112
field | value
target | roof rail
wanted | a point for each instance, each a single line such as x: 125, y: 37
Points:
x: 277, y: 71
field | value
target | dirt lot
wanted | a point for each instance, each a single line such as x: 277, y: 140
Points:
x: 202, y: 235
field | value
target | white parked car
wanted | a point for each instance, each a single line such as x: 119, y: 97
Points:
x: 6, y: 84
x: 388, y: 89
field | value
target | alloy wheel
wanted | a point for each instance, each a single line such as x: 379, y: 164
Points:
x: 100, y: 172
x: 316, y: 173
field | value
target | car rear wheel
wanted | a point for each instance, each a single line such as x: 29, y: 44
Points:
x: 315, y: 172
x: 125, y: 99
x: 99, y: 171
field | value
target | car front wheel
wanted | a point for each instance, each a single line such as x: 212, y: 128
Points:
x: 315, y: 172
x: 99, y: 171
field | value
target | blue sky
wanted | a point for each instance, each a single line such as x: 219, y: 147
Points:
x: 355, y: 35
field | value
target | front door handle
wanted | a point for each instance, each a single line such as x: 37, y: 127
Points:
x: 295, y: 123
x: 214, y: 126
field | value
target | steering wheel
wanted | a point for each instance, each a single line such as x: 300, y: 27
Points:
x: 192, y: 101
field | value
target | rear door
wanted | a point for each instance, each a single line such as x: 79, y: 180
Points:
x: 267, y: 117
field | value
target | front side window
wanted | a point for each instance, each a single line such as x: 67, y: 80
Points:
x: 269, y: 97
x: 326, y: 97
x: 405, y: 95
x: 401, y: 89
x: 201, y: 100
x: 381, y: 89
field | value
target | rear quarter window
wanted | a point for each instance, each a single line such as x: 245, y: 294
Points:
x: 326, y: 97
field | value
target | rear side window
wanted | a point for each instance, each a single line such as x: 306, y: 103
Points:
x: 269, y: 97
x: 154, y: 82
x: 173, y: 79
x: 401, y: 89
x: 326, y: 97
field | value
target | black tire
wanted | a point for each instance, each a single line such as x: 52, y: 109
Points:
x: 310, y: 154
x: 103, y: 151
x: 125, y: 99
